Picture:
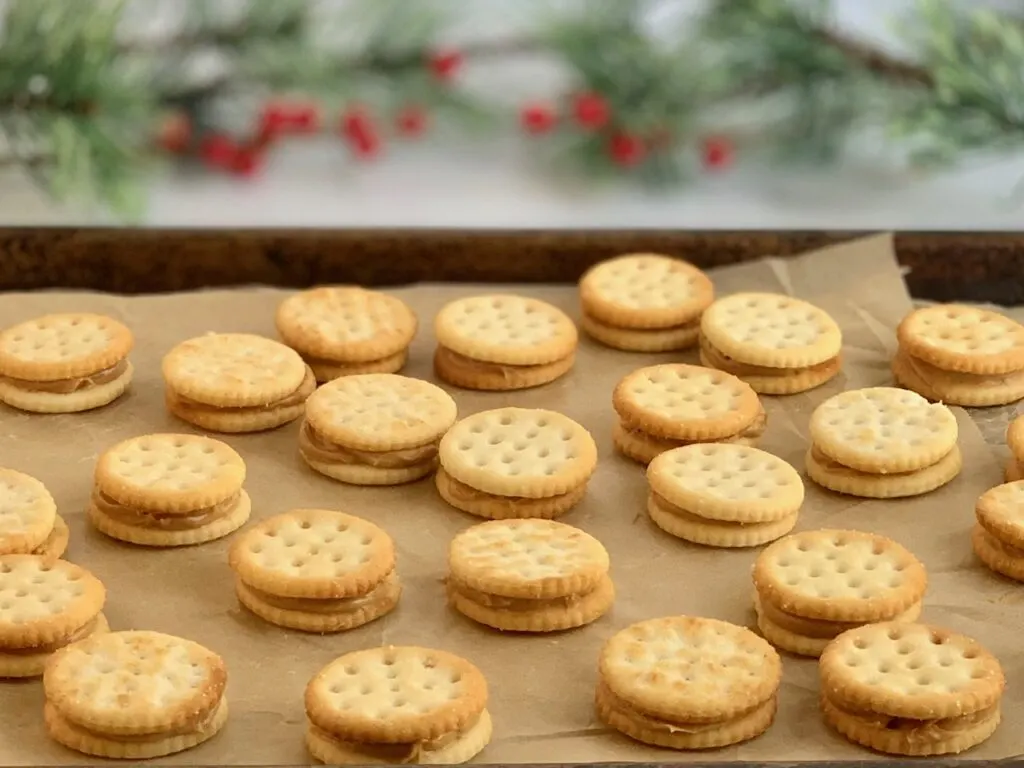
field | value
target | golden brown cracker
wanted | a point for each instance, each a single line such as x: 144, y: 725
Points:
x: 506, y: 329
x: 28, y: 513
x: 62, y: 346
x: 955, y: 337
x: 645, y: 291
x: 641, y: 340
x: 346, y: 324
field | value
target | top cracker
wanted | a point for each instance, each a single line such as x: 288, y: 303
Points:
x: 233, y: 369
x: 381, y: 412
x: 346, y: 323
x: 55, y: 347
x: 965, y: 339
x: 690, y: 669
x: 646, y: 291
x: 771, y: 330
x: 512, y: 330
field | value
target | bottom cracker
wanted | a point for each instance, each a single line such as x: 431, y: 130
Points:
x: 835, y: 477
x: 476, y: 374
x: 644, y: 448
x: 1013, y: 471
x: 717, y: 533
x: 460, y: 750
x: 322, y: 623
x: 86, y: 399
x: 954, y: 388
x: 139, y: 747
x: 546, y: 618
x: 56, y: 543
x: 641, y: 339
x: 918, y: 739
x: 771, y: 381
x: 360, y: 474
x: 997, y: 555
x: 659, y: 733
x: 156, y: 537
x: 21, y: 665
x: 328, y: 370
x: 481, y: 504
x: 801, y: 645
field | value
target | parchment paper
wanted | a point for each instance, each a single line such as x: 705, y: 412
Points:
x: 542, y: 686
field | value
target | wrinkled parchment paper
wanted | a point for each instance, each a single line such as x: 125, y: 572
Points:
x: 541, y: 686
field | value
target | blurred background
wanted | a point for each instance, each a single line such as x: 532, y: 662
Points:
x: 685, y: 114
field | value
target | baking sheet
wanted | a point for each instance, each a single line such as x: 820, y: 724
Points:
x: 541, y: 686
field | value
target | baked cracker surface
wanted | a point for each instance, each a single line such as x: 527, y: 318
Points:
x: 62, y: 346
x: 528, y: 452
x: 506, y: 329
x: 27, y: 512
x: 955, y: 337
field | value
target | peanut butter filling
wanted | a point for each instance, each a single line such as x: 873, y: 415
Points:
x: 160, y: 520
x: 919, y: 730
x: 298, y: 397
x: 994, y: 541
x: 456, y: 362
x: 723, y: 362
x: 752, y: 431
x: 517, y: 604
x: 829, y: 463
x: 653, y: 723
x: 819, y: 629
x: 79, y: 634
x: 316, y: 447
x: 669, y: 508
x: 406, y: 753
x: 328, y: 606
x: 515, y: 506
x: 69, y: 386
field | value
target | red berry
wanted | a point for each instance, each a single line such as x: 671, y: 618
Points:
x: 365, y: 145
x: 247, y: 162
x: 591, y: 110
x: 306, y: 119
x: 445, y: 64
x: 627, y: 150
x: 355, y: 121
x: 219, y: 151
x: 538, y: 118
x: 275, y: 119
x: 411, y: 121
x: 718, y: 153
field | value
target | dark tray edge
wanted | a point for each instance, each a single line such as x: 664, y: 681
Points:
x: 941, y: 266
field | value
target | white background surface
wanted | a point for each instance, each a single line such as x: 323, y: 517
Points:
x: 500, y: 181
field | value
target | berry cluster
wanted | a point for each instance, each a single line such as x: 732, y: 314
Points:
x: 359, y: 128
x: 363, y: 131
x: 592, y: 112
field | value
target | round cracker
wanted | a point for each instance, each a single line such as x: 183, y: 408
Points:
x: 690, y: 670
x: 527, y: 452
x: 63, y: 346
x: 634, y: 340
x: 955, y: 337
x: 137, y: 682
x: 381, y: 412
x: 313, y: 553
x: 726, y: 481
x: 883, y: 430
x: 1000, y: 511
x: 396, y: 695
x: 1015, y: 436
x: 529, y: 559
x: 233, y: 370
x: 27, y: 513
x: 912, y: 671
x: 836, y: 575
x: 771, y: 330
x: 645, y: 291
x: 685, y: 402
x: 170, y: 472
x: 346, y: 324
x: 512, y: 330
x: 43, y: 601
